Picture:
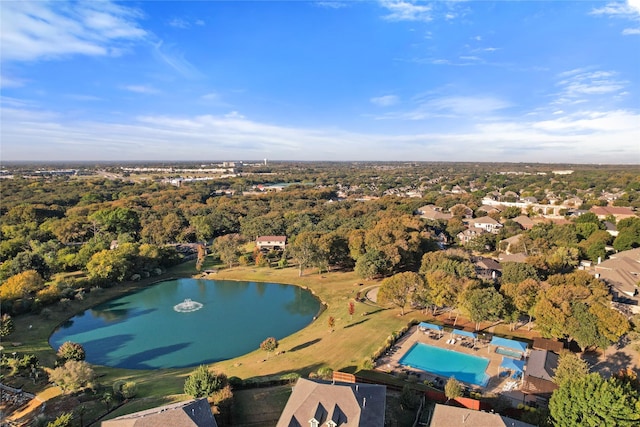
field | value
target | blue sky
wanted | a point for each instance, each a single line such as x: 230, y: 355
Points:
x: 515, y: 81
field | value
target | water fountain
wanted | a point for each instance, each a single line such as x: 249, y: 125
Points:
x: 187, y: 306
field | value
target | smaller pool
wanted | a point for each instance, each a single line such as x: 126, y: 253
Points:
x: 447, y: 363
x: 509, y: 353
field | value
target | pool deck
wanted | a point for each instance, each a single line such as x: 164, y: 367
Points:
x: 390, y: 362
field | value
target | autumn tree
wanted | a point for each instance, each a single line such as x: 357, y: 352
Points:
x: 21, y: 285
x: 522, y: 295
x: 397, y: 289
x: 352, y: 309
x: 331, y: 322
x: 227, y: 248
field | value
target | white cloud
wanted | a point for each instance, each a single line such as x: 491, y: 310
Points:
x: 45, y: 30
x: 331, y: 4
x: 141, y: 89
x: 179, y: 23
x: 585, y: 137
x: 629, y: 10
x: 406, y: 11
x: 176, y: 60
x: 581, y: 83
x: 7, y: 82
x: 384, y: 101
x: 211, y: 96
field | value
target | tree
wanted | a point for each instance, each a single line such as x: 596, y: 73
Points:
x: 203, y: 383
x: 371, y: 264
x: 523, y: 295
x: 516, y: 272
x: 71, y: 351
x: 110, y: 265
x: 352, y: 309
x: 21, y: 285
x: 398, y: 289
x: 6, y: 325
x: 570, y: 367
x: 331, y: 322
x: 594, y: 401
x: 269, y: 345
x: 228, y: 248
x: 483, y: 304
x: 452, y: 389
x: 306, y: 250
x: 72, y: 376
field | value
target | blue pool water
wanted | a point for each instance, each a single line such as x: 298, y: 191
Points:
x: 447, y: 363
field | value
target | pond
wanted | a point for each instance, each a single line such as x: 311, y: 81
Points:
x: 187, y: 322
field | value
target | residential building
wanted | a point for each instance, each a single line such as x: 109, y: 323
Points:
x: 538, y: 382
x: 433, y: 213
x: 315, y: 403
x: 192, y: 413
x: 525, y: 222
x: 469, y: 234
x: 271, y: 242
x: 617, y: 212
x: 622, y: 273
x: 487, y: 223
x: 453, y: 416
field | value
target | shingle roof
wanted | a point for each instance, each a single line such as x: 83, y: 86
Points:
x: 361, y: 405
x: 452, y: 416
x: 193, y: 413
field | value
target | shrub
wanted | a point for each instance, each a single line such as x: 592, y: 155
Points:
x: 72, y: 376
x: 203, y: 383
x: 408, y: 398
x: 367, y: 364
x: 71, y: 351
x: 291, y: 377
x: 63, y: 420
x: 269, y: 345
x: 325, y: 373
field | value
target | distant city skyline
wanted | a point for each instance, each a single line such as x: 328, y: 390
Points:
x: 388, y: 80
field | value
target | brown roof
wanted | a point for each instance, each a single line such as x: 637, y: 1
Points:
x: 547, y: 344
x: 348, y: 405
x: 538, y: 386
x: 452, y: 416
x: 193, y: 413
x: 271, y: 239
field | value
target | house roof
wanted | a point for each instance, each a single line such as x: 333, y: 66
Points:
x: 542, y: 364
x: 622, y: 271
x: 519, y: 257
x: 271, y: 239
x: 524, y: 221
x: 547, y: 344
x: 452, y: 416
x: 484, y: 220
x: 538, y: 386
x: 193, y: 413
x: 611, y: 210
x: 489, y: 264
x: 361, y: 405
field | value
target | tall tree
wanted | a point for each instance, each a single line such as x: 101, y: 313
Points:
x: 397, y: 289
x: 482, y: 304
x: 594, y: 401
x: 227, y: 247
x: 306, y: 250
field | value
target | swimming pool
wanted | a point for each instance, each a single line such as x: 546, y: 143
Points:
x: 447, y: 363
